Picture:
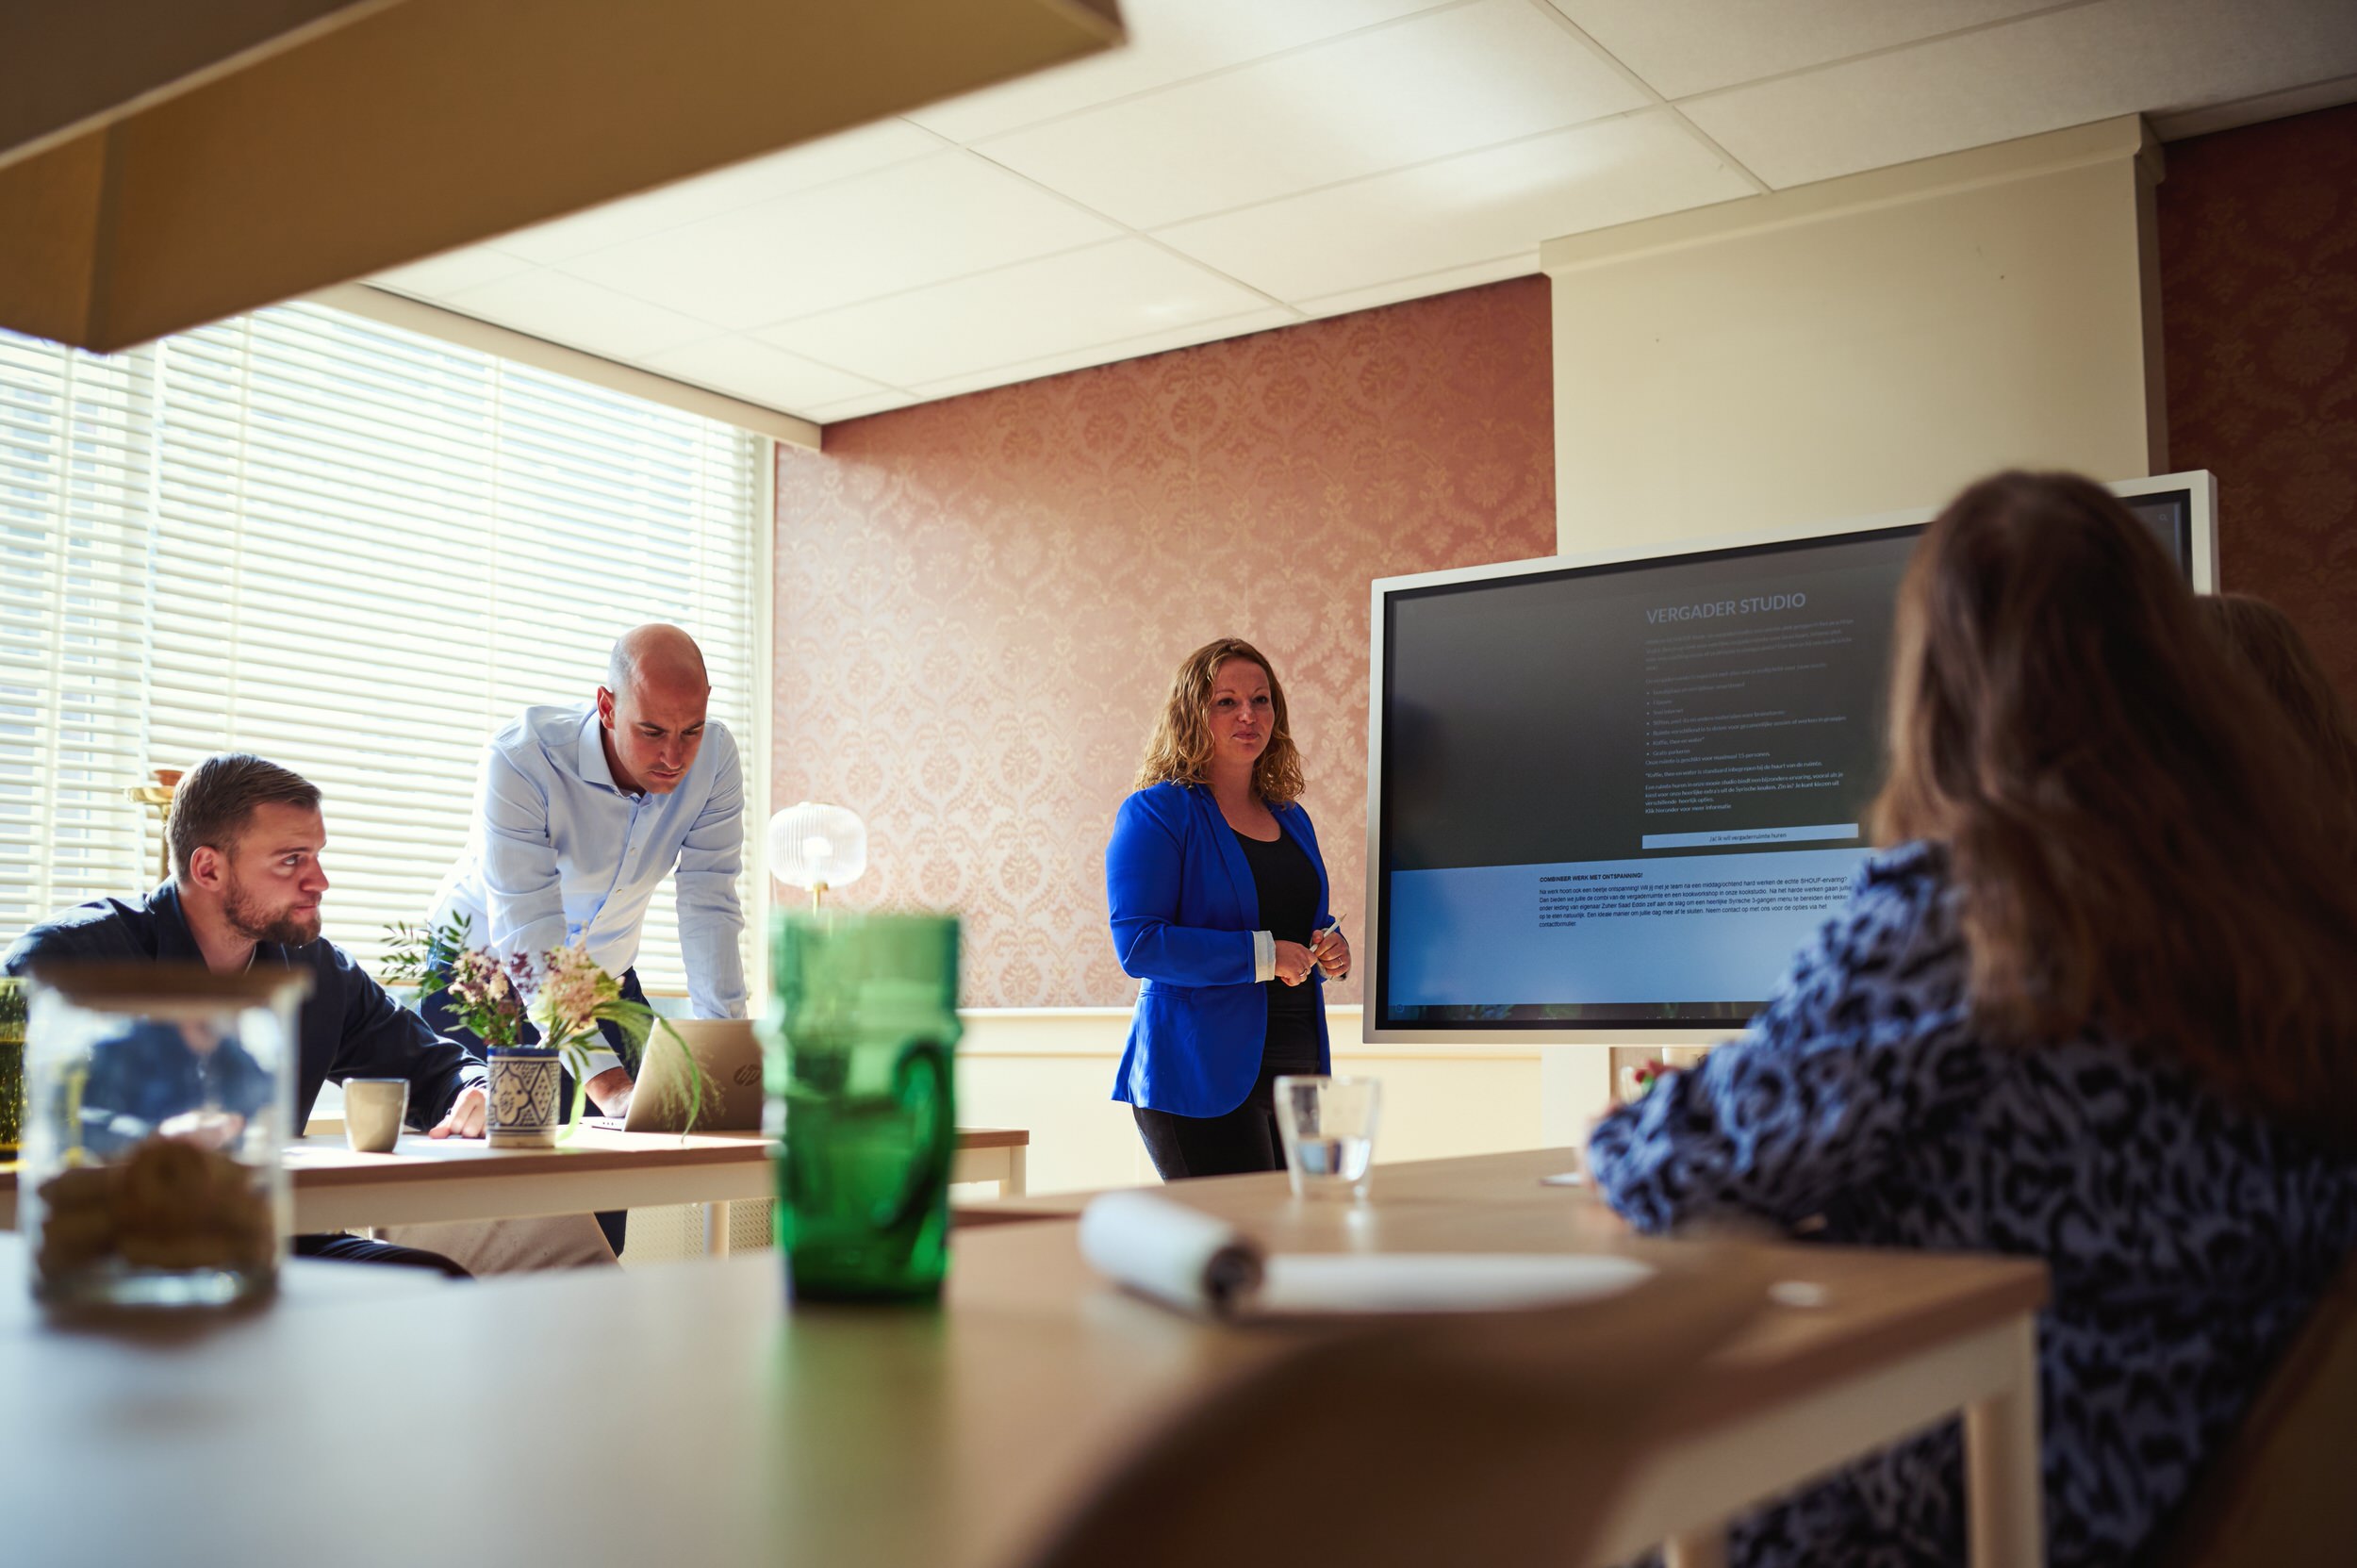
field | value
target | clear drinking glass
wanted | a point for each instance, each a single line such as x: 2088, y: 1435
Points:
x: 157, y: 1101
x: 1329, y: 1127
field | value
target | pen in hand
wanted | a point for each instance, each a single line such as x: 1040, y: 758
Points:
x: 1333, y: 928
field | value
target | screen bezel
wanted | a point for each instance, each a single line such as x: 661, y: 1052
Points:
x: 2198, y: 547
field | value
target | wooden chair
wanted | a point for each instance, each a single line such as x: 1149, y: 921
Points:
x: 2282, y: 1492
x: 1418, y: 1442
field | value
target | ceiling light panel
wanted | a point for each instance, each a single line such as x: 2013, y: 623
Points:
x: 903, y: 227
x: 1479, y: 207
x: 1695, y: 45
x: 1169, y: 40
x: 1426, y: 88
x: 1100, y: 295
x: 2040, y: 73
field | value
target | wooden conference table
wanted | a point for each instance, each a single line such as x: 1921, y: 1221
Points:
x: 723, y: 1427
x: 428, y: 1179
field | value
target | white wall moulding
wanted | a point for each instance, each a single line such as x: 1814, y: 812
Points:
x: 379, y: 305
x: 1861, y: 345
x: 1050, y: 1071
x: 235, y: 155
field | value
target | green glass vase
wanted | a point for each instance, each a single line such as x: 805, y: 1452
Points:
x: 861, y: 1069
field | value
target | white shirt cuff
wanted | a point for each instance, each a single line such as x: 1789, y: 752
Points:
x: 1264, y: 956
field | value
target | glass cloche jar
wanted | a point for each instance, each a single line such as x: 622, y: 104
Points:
x: 157, y: 1101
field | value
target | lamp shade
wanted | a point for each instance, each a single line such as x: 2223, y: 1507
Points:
x: 813, y: 846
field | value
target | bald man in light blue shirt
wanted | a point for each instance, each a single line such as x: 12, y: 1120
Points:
x: 582, y: 811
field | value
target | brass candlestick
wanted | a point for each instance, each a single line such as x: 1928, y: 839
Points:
x: 158, y: 798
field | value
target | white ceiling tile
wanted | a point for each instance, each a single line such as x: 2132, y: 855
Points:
x: 859, y: 408
x: 440, y: 276
x: 1482, y: 207
x: 1695, y: 45
x: 1054, y: 305
x: 1418, y: 89
x: 1521, y: 264
x: 902, y: 227
x: 833, y: 157
x: 1107, y: 353
x: 757, y: 372
x: 1169, y: 40
x: 2040, y: 73
x: 579, y: 315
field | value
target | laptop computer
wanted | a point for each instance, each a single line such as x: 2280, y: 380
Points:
x: 730, y: 1056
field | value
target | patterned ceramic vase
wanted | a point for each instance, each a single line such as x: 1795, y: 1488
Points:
x: 523, y: 1113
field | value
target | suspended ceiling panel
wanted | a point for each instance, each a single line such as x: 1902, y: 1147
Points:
x: 1245, y: 164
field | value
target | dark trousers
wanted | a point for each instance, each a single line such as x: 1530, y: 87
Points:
x: 1245, y: 1139
x: 359, y: 1249
x: 439, y: 1016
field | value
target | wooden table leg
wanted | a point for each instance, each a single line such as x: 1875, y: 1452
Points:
x: 1696, y: 1549
x: 2001, y: 1464
x: 717, y: 1230
x: 1011, y: 1184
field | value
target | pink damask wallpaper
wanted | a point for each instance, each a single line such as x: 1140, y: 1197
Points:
x: 979, y: 601
x: 2259, y: 316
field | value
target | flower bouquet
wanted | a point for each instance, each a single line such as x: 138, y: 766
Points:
x: 1640, y: 1081
x: 562, y: 997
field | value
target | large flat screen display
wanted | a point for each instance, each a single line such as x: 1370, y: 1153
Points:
x: 1612, y: 795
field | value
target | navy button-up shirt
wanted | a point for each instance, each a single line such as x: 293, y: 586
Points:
x: 350, y: 1026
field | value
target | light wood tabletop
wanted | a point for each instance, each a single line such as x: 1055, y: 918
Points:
x: 723, y: 1427
x: 429, y: 1180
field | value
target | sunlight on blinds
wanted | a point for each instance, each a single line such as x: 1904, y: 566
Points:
x: 357, y: 551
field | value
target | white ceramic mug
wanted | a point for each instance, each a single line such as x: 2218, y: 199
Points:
x: 373, y: 1109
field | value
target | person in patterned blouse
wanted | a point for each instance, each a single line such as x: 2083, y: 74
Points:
x: 2093, y: 1002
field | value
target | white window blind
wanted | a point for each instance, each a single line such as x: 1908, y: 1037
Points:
x: 76, y: 537
x: 364, y: 551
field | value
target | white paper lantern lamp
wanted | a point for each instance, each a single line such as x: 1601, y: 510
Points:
x: 817, y: 847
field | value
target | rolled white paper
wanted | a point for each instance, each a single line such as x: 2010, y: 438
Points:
x: 1346, y: 1284
x: 1171, y: 1252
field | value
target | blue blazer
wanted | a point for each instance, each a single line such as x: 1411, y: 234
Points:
x: 1184, y: 908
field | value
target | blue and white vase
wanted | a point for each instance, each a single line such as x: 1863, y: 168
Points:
x: 522, y: 1111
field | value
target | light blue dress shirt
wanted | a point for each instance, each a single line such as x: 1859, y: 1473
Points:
x: 559, y: 850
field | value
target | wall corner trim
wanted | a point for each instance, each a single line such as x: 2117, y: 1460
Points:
x: 2117, y: 140
x: 432, y: 321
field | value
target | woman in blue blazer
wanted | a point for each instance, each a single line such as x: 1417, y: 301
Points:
x: 1219, y: 906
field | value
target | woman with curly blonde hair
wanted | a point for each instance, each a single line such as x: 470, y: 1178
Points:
x: 1218, y: 898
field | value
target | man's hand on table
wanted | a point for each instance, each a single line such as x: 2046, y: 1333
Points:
x: 609, y: 1091
x: 466, y: 1115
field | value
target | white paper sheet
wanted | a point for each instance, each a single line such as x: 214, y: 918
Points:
x: 1190, y: 1259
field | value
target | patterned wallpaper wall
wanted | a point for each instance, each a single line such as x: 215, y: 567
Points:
x: 979, y: 600
x: 2259, y: 314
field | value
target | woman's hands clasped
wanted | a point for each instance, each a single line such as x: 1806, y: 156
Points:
x: 1332, y: 952
x: 1328, y: 953
x: 1293, y: 961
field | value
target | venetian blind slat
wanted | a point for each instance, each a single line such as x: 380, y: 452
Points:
x: 353, y: 549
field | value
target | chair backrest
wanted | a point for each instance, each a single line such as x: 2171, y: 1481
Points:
x: 1416, y: 1443
x: 2280, y: 1490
